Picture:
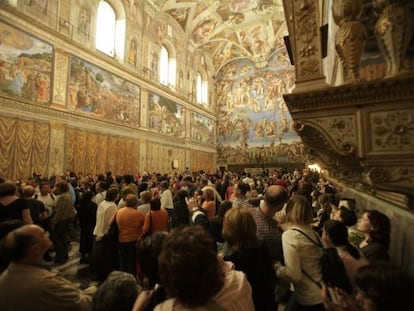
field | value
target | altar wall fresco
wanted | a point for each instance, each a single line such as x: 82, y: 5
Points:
x: 101, y: 94
x: 253, y: 123
x: 25, y: 65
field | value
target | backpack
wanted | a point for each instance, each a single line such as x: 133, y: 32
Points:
x: 332, y: 267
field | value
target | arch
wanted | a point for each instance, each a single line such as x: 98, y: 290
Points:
x: 110, y: 28
x: 167, y: 64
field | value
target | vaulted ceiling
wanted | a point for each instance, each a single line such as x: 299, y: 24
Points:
x: 229, y: 29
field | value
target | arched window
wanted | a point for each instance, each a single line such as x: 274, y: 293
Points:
x: 168, y: 68
x: 202, y: 90
x: 110, y: 31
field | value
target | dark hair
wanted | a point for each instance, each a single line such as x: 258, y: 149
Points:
x: 189, y: 268
x: 111, y: 194
x: 86, y: 197
x: 62, y: 187
x: 338, y: 233
x: 381, y: 232
x: 387, y: 286
x: 148, y: 252
x: 164, y: 184
x: 243, y: 187
x: 7, y: 188
x: 223, y: 208
x: 180, y: 196
x: 128, y: 178
x: 348, y: 216
x: 155, y: 204
x: 118, y: 292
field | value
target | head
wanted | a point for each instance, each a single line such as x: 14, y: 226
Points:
x: 127, y: 191
x: 208, y: 194
x: 146, y: 196
x: 60, y: 188
x: 164, y: 185
x: 118, y: 292
x: 111, y: 194
x: 345, y: 215
x: 131, y: 201
x: 241, y: 189
x: 299, y: 211
x: 239, y: 229
x: 155, y: 204
x: 87, y: 197
x: 275, y: 197
x: 27, y: 244
x: 28, y: 192
x: 181, y: 195
x: 149, y: 249
x: 377, y: 226
x: 383, y: 287
x: 44, y: 188
x: 7, y: 188
x: 336, y: 231
x: 189, y: 268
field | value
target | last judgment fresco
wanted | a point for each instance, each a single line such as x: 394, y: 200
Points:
x: 254, y: 124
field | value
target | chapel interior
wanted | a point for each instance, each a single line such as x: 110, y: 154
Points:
x: 163, y: 85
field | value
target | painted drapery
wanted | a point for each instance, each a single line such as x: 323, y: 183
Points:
x: 24, y: 147
x: 93, y: 153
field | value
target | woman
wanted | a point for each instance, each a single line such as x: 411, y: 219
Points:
x: 182, y: 216
x: 209, y: 203
x: 302, y: 251
x: 195, y: 278
x: 376, y: 228
x: 156, y: 219
x: 216, y: 224
x: 130, y: 223
x: 250, y: 256
x: 87, y: 222
x: 335, y: 235
x: 11, y: 206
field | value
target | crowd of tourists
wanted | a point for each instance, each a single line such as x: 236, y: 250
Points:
x: 196, y: 241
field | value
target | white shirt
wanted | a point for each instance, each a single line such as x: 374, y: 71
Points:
x: 144, y: 208
x: 300, y: 253
x: 166, y: 199
x: 99, y: 197
x: 49, y: 202
x: 104, y: 215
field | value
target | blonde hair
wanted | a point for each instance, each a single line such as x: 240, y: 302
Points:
x: 299, y: 211
x: 239, y: 229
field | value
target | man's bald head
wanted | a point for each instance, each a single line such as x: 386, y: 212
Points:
x: 275, y: 197
x: 19, y: 243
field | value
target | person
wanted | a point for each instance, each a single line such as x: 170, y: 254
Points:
x: 167, y: 201
x: 118, y: 292
x: 87, y: 222
x: 59, y: 224
x: 182, y: 216
x: 11, y: 206
x: 37, y: 208
x: 209, y: 204
x: 156, y: 219
x: 26, y: 285
x: 376, y: 228
x: 130, y: 223
x: 145, y: 206
x: 216, y: 224
x: 148, y: 251
x: 196, y: 279
x: 250, y: 256
x: 302, y: 251
x: 335, y: 236
x: 268, y: 230
x: 380, y: 287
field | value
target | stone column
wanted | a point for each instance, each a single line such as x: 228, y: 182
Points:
x: 302, y: 17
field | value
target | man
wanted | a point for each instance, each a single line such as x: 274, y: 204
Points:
x: 240, y: 195
x: 267, y: 228
x: 26, y: 285
x: 37, y: 208
x: 47, y: 198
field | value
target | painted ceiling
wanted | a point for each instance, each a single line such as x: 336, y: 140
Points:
x: 229, y: 29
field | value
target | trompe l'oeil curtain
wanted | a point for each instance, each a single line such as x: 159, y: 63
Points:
x: 94, y: 153
x: 24, y: 148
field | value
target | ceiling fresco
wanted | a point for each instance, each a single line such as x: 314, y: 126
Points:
x: 229, y: 29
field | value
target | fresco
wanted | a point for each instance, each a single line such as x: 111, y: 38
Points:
x: 254, y: 121
x: 98, y: 93
x: 165, y: 116
x: 25, y: 65
x: 201, y: 129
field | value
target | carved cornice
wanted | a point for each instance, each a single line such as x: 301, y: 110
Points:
x: 362, y: 134
x: 369, y: 93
